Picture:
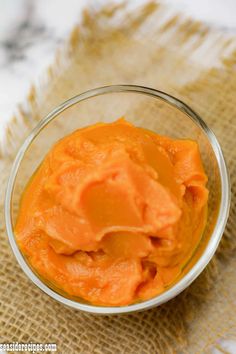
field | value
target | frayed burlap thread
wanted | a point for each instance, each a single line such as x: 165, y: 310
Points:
x: 151, y: 46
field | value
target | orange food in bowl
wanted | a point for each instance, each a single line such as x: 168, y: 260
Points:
x: 114, y: 212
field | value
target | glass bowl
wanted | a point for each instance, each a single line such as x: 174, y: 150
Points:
x: 144, y: 107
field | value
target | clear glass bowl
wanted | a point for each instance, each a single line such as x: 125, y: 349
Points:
x: 144, y: 107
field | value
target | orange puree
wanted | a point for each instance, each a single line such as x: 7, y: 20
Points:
x: 114, y: 212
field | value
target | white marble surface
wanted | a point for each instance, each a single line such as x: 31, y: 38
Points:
x: 31, y: 31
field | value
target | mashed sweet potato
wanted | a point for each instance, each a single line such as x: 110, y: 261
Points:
x: 114, y: 212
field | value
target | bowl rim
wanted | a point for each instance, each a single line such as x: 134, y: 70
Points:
x: 213, y: 242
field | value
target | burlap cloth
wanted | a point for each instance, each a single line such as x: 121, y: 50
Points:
x: 151, y: 46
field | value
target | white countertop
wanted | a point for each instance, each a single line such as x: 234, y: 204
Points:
x: 31, y: 31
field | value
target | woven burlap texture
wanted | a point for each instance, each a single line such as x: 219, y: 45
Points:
x: 155, y: 47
